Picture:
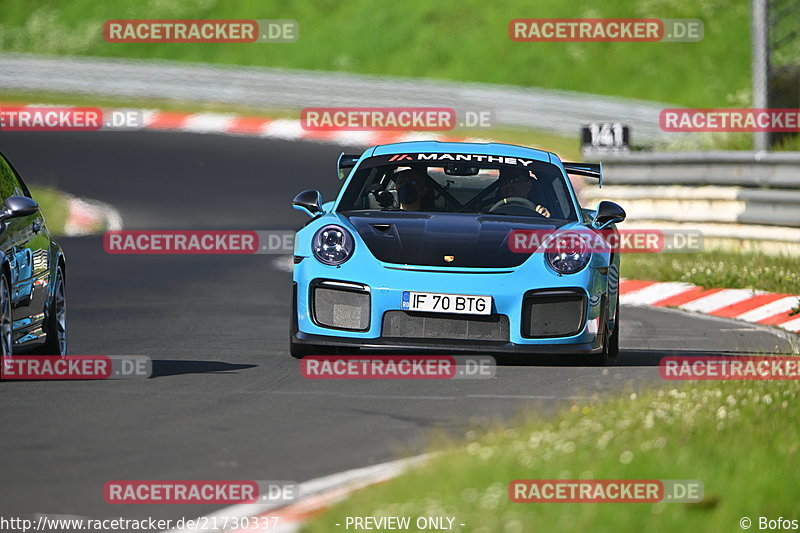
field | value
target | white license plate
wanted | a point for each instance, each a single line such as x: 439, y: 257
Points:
x: 436, y: 302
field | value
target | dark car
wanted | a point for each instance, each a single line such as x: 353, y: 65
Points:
x: 33, y: 306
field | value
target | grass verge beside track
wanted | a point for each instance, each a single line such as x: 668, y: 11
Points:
x: 718, y: 268
x: 465, y: 40
x: 740, y: 439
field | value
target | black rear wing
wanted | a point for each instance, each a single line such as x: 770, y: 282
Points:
x: 346, y: 161
x: 591, y: 170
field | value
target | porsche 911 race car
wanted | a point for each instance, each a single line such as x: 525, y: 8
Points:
x: 415, y: 252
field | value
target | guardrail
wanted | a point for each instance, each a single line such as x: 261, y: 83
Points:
x: 779, y: 170
x: 728, y: 195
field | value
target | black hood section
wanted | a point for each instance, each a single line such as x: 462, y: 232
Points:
x: 477, y: 241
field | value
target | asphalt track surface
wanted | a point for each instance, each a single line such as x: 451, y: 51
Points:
x: 226, y: 400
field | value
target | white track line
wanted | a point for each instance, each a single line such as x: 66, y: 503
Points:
x: 346, y: 482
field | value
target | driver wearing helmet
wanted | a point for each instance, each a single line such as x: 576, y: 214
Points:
x: 413, y: 190
x: 518, y: 183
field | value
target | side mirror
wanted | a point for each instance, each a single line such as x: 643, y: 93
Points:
x: 309, y: 202
x: 608, y: 213
x: 18, y: 206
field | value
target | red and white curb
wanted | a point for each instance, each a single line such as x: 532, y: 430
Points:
x: 758, y: 307
x: 285, y: 129
x: 258, y: 126
x: 314, y: 497
x: 87, y: 217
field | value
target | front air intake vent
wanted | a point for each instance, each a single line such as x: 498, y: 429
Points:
x: 417, y: 325
x: 340, y: 305
x: 553, y: 313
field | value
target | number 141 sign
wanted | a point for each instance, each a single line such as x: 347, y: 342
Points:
x: 605, y: 137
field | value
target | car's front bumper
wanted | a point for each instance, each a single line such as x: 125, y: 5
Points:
x: 447, y: 345
x: 386, y: 283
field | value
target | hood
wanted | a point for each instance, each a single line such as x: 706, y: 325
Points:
x: 476, y: 241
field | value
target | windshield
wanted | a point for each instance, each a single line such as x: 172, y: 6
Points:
x: 510, y: 186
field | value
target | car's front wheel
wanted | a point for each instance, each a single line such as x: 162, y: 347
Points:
x: 56, y: 340
x: 601, y: 359
x: 6, y: 346
x: 610, y: 342
x: 613, y: 341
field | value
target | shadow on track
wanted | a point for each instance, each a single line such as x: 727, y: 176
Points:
x: 652, y: 357
x: 167, y: 367
x: 626, y: 358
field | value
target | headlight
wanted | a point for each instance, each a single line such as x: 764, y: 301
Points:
x: 332, y: 245
x: 568, y: 253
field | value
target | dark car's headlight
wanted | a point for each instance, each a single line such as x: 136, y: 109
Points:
x: 332, y: 245
x: 568, y: 253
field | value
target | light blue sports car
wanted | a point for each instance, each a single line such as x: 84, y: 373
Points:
x: 416, y: 253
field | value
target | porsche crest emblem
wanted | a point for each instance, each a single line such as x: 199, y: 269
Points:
x: 449, y: 258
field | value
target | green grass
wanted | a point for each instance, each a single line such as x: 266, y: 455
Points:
x: 59, y: 98
x: 464, y: 40
x: 565, y: 146
x: 53, y: 204
x: 726, y: 141
x: 740, y: 439
x: 718, y: 268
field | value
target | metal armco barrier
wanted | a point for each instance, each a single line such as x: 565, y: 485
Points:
x: 733, y: 195
x: 776, y: 170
